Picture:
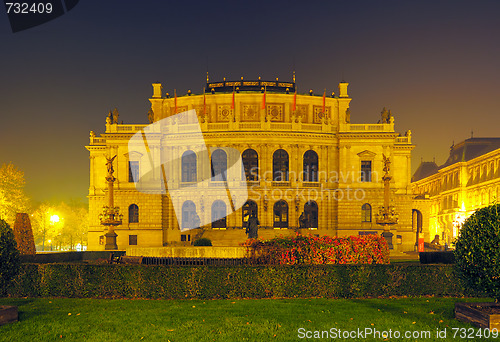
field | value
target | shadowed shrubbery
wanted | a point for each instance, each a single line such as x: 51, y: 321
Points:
x: 202, y: 242
x: 312, y: 250
x: 9, y: 255
x: 477, y: 251
x: 209, y: 282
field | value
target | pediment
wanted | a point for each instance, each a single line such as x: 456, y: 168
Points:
x: 367, y: 154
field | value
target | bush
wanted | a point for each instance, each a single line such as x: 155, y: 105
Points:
x: 9, y: 255
x: 477, y: 251
x: 24, y: 234
x: 202, y: 242
x: 208, y: 282
x: 301, y: 249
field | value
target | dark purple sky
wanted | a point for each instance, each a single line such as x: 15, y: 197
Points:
x: 435, y: 64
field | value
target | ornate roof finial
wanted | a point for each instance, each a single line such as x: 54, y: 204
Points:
x: 207, y: 77
x: 293, y: 76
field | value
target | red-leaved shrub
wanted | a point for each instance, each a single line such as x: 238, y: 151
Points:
x: 301, y: 249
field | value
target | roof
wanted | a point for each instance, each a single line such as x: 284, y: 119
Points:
x: 425, y: 169
x: 470, y: 149
x: 461, y: 152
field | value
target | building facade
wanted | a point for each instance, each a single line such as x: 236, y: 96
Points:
x: 467, y: 181
x: 301, y: 156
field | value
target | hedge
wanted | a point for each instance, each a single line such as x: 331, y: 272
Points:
x: 313, y: 250
x: 207, y: 282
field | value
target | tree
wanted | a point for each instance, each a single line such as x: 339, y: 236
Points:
x: 43, y: 227
x: 9, y: 255
x: 68, y: 230
x: 24, y: 234
x: 477, y: 251
x: 12, y: 197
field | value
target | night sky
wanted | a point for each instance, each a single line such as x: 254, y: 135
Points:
x: 435, y: 64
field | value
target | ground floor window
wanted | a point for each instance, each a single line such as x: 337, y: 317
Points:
x: 132, y: 240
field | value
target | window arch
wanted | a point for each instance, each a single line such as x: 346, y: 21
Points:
x: 251, y: 164
x: 310, y: 169
x: 311, y: 213
x: 248, y: 208
x: 189, y: 166
x: 219, y: 165
x: 219, y: 214
x: 366, y: 213
x: 190, y: 218
x: 133, y: 213
x: 280, y: 165
x: 280, y: 214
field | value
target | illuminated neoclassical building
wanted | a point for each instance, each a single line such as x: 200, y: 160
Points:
x: 467, y: 181
x: 301, y: 155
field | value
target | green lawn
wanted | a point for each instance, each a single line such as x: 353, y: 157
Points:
x: 225, y: 320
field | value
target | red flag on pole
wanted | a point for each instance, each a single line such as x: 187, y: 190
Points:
x: 264, y: 99
x: 294, y: 105
x: 324, y: 99
x: 175, y: 101
x: 232, y: 103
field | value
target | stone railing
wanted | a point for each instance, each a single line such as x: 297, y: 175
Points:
x: 367, y: 127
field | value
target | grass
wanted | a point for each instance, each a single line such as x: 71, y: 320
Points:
x: 56, y: 319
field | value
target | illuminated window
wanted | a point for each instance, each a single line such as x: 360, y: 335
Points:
x: 251, y: 164
x: 310, y: 170
x: 219, y: 214
x: 133, y: 171
x: 219, y: 165
x: 189, y: 166
x: 366, y: 213
x: 280, y: 166
x: 190, y: 218
x: 280, y: 214
x: 366, y: 170
x: 133, y: 213
x: 248, y: 208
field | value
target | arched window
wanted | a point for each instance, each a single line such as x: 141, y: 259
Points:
x: 280, y: 166
x: 133, y: 213
x: 248, y: 208
x: 311, y: 213
x: 366, y: 213
x: 310, y: 171
x: 218, y: 214
x: 219, y: 165
x: 190, y: 218
x: 251, y: 164
x: 280, y: 214
x: 189, y: 166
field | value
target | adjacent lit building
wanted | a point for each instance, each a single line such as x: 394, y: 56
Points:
x: 467, y: 181
x: 301, y: 155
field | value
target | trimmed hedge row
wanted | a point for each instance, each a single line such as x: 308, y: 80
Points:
x: 313, y: 250
x: 205, y: 282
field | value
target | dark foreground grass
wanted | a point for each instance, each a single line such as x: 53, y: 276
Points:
x: 60, y: 319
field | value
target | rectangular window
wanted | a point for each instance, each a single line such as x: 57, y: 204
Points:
x: 185, y: 237
x: 366, y: 170
x: 132, y: 240
x: 133, y: 171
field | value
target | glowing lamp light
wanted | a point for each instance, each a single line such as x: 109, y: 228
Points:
x: 54, y: 219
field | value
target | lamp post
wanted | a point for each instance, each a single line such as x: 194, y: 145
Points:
x: 387, y: 216
x: 110, y: 215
